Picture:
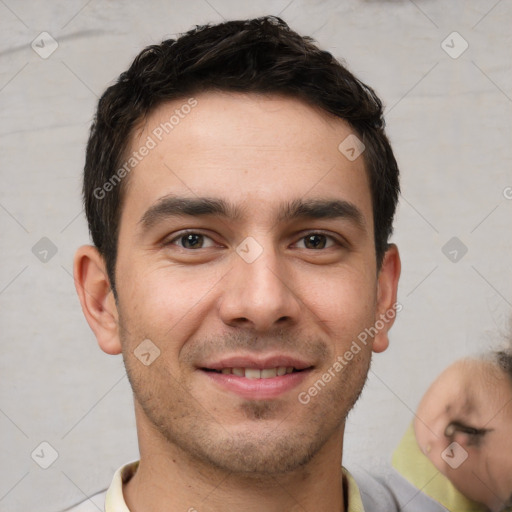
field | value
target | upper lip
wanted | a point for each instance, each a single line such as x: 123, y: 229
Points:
x: 257, y: 361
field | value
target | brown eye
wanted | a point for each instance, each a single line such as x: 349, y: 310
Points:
x: 317, y: 241
x: 192, y: 241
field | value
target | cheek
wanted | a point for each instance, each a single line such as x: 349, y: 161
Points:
x: 344, y: 299
x: 163, y: 302
x: 500, y: 462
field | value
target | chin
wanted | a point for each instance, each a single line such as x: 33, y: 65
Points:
x: 259, y: 458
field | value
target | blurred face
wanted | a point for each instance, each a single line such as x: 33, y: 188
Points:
x: 247, y: 262
x: 470, y: 403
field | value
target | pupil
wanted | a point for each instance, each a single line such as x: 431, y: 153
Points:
x: 191, y: 241
x: 315, y: 241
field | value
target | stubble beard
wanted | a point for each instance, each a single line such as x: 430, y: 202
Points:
x: 273, y: 444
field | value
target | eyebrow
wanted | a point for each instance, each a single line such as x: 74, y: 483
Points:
x: 322, y: 209
x: 173, y: 206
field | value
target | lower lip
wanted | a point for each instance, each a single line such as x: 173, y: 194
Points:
x: 258, y: 389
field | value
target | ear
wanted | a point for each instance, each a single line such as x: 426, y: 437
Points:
x: 95, y: 294
x: 387, y: 306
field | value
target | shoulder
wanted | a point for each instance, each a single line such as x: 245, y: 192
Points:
x: 385, y: 490
x: 111, y: 498
x: 375, y: 495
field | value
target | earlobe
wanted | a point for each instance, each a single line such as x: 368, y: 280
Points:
x: 96, y: 297
x: 387, y: 306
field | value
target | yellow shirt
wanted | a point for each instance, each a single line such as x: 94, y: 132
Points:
x: 114, y: 501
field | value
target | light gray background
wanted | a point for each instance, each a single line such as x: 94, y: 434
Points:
x: 450, y: 124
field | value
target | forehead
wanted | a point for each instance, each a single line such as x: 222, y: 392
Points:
x: 245, y: 147
x: 488, y: 386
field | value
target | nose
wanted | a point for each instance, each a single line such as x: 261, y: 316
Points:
x: 259, y: 295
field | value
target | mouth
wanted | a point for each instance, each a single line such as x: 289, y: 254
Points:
x: 256, y: 373
x: 255, y: 379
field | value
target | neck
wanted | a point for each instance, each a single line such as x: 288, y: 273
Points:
x: 169, y: 479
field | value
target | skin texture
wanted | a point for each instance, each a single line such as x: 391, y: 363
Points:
x: 201, y: 445
x: 476, y: 394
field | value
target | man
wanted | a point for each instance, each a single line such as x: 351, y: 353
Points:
x: 240, y: 193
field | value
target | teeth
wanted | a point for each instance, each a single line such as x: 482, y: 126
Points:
x: 268, y: 373
x: 254, y: 373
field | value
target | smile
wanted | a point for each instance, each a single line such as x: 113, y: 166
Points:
x: 257, y: 376
x: 256, y: 373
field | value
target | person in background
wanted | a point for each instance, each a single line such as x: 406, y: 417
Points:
x: 457, y: 453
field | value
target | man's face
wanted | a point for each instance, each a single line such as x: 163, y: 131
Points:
x: 470, y: 403
x: 246, y: 244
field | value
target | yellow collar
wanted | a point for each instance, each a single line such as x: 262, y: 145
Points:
x: 115, y: 500
x: 352, y: 494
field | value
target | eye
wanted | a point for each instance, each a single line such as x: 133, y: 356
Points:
x: 317, y: 241
x: 192, y: 240
x: 458, y: 426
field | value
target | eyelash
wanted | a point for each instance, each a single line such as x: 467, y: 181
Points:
x: 457, y: 426
x: 310, y: 233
